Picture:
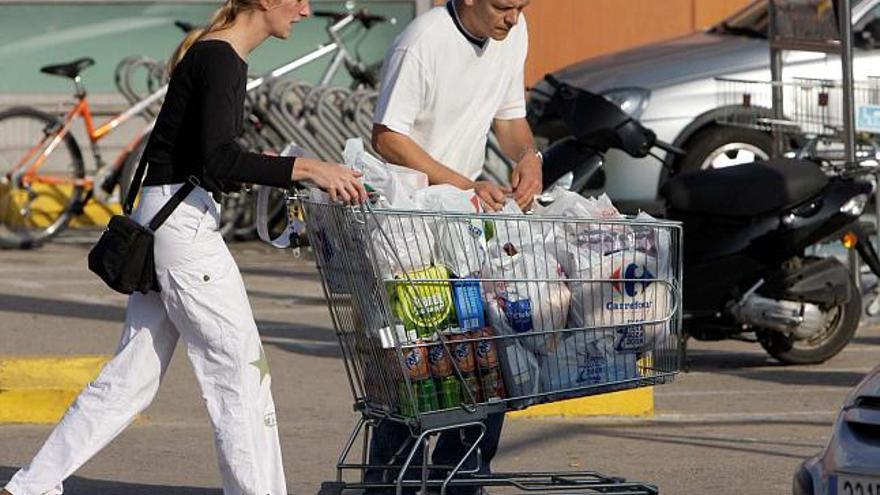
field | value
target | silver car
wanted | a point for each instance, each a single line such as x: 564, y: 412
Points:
x: 670, y: 86
x: 850, y: 462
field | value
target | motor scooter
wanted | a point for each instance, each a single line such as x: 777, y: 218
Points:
x: 747, y: 234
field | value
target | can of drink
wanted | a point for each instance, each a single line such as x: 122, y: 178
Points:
x: 415, y: 361
x: 462, y: 352
x: 471, y: 382
x: 439, y: 361
x: 484, y: 348
x: 449, y: 392
x: 492, y: 385
x: 426, y: 396
x: 408, y: 407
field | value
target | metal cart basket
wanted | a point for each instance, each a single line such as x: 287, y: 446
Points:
x: 812, y: 106
x: 444, y: 318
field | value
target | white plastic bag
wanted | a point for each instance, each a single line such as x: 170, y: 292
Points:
x: 526, y: 299
x: 570, y: 204
x: 394, y: 183
x: 584, y: 359
x: 403, y: 243
x: 461, y: 241
x: 639, y: 290
x: 597, y: 236
x: 520, y: 371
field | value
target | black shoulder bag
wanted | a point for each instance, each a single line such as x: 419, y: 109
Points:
x: 123, y: 256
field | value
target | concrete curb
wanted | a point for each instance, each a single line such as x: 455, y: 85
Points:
x: 39, y: 389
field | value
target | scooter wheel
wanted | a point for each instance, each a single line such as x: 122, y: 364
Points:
x: 825, y: 345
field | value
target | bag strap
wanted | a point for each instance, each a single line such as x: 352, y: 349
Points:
x: 128, y: 205
x: 172, y: 203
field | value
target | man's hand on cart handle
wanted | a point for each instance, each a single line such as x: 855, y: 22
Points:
x: 341, y: 183
x: 492, y: 195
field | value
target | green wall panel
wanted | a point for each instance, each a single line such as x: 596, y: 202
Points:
x: 34, y: 34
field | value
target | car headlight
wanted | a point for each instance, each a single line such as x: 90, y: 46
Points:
x: 855, y: 206
x: 633, y: 101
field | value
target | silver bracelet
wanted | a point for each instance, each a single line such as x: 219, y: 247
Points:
x: 531, y: 149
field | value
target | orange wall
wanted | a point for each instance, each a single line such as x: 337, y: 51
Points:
x: 565, y: 31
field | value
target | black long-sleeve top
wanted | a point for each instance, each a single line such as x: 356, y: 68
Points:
x: 197, y: 127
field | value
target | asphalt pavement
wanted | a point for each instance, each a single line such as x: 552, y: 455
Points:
x: 736, y: 423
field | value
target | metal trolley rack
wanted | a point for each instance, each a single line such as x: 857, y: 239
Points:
x: 548, y: 309
x: 810, y: 112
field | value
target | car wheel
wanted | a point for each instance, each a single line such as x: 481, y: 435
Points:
x: 719, y: 147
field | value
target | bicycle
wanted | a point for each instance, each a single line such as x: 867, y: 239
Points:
x: 264, y: 130
x: 45, y: 184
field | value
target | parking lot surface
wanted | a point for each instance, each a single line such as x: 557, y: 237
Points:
x: 737, y: 422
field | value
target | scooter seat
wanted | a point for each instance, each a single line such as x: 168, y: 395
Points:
x: 745, y: 190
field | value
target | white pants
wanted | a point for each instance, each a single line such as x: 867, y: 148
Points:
x: 203, y: 300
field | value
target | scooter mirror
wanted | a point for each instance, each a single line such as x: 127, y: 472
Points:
x: 597, y: 122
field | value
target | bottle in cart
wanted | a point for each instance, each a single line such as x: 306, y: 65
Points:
x: 415, y: 362
x: 486, y: 352
x: 448, y: 386
x: 463, y: 354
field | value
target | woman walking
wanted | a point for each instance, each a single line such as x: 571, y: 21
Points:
x: 202, y: 296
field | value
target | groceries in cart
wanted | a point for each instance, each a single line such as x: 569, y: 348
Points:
x: 571, y: 300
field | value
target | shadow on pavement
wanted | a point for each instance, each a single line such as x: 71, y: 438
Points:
x: 804, y: 376
x: 762, y: 447
x: 711, y: 360
x: 763, y: 368
x: 287, y: 336
x: 279, y: 272
x: 293, y: 298
x: 83, y: 486
x: 300, y: 339
x: 61, y: 307
x: 863, y: 339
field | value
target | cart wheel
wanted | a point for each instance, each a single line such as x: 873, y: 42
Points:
x: 332, y: 488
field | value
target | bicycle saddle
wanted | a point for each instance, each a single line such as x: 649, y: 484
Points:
x: 70, y: 69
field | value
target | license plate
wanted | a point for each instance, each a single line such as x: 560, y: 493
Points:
x: 857, y: 485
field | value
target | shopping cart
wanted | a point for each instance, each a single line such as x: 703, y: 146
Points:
x: 812, y: 107
x: 445, y: 318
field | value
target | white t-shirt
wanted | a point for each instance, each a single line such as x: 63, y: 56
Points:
x: 443, y: 90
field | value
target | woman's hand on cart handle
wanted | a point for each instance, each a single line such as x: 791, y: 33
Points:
x: 340, y: 182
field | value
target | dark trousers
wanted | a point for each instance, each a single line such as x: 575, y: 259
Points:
x: 389, y: 437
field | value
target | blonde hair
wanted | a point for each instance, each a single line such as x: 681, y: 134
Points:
x: 222, y: 19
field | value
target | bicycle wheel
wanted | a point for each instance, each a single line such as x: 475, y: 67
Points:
x: 36, y: 206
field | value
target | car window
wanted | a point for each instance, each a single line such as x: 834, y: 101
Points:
x: 870, y: 16
x: 753, y: 21
x: 867, y: 30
